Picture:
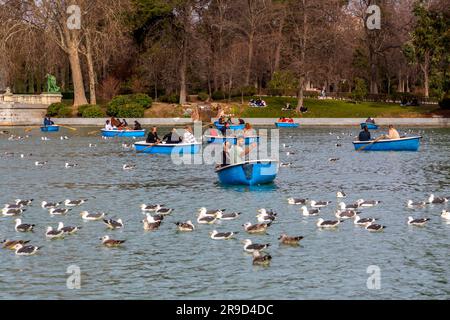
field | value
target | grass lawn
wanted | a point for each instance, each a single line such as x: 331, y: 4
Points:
x: 333, y: 109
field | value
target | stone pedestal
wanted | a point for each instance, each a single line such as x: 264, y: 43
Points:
x: 49, y: 98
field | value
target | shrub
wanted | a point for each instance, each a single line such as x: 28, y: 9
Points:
x: 115, y: 104
x: 65, y: 112
x: 170, y: 98
x: 142, y: 99
x: 203, y: 96
x: 131, y: 110
x: 82, y: 108
x: 282, y: 83
x: 54, y: 108
x: 248, y: 91
x: 93, y: 112
x: 360, y: 91
x: 445, y: 102
x: 219, y: 95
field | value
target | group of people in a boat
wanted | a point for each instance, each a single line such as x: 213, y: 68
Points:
x: 229, y: 121
x: 48, y: 121
x: 285, y: 120
x: 116, y: 124
x: 238, y: 153
x: 173, y: 137
x: 365, y: 135
x: 248, y: 131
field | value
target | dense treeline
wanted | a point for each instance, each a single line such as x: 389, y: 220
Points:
x: 172, y: 48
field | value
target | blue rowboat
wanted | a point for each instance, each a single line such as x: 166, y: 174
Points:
x: 402, y: 144
x: 123, y: 133
x: 370, y: 126
x: 49, y: 128
x: 232, y: 126
x: 180, y: 148
x: 249, y: 173
x: 233, y: 140
x: 287, y: 125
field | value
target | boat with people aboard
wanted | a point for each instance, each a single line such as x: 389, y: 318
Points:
x: 50, y: 128
x: 167, y: 148
x: 233, y: 140
x: 123, y: 133
x: 253, y: 172
x: 370, y: 126
x: 231, y: 127
x: 401, y: 144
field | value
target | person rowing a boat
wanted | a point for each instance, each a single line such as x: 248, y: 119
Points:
x: 172, y: 137
x: 238, y: 152
x: 48, y: 121
x: 365, y: 134
x: 370, y: 120
x: 153, y: 136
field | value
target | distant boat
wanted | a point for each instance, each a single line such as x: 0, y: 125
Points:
x: 402, y: 144
x: 179, y: 148
x: 53, y: 128
x: 287, y: 124
x: 370, y: 126
x: 123, y: 133
x: 249, y: 173
x: 232, y: 140
x: 232, y: 126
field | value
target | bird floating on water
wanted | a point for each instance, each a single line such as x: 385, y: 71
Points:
x: 67, y: 230
x: 228, y: 216
x: 256, y: 228
x: 54, y: 234
x: 436, y: 200
x: 128, y: 167
x: 187, y: 226
x: 215, y: 235
x: 347, y: 214
x: 319, y: 204
x: 297, y: 201
x: 413, y: 205
x: 151, y: 207
x: 287, y: 240
x: 445, y: 214
x: 367, y: 203
x: 58, y: 212
x: 417, y: 222
x: 70, y: 165
x: 111, y: 243
x: 363, y: 222
x: 12, y: 212
x: 312, y: 212
x: 204, y: 218
x: 113, y: 224
x: 74, y: 203
x: 328, y: 224
x: 375, y: 227
x: 23, y: 250
x: 9, y: 244
x: 151, y: 226
x: 50, y: 205
x: 23, y: 227
x: 251, y: 247
x: 343, y: 206
x: 92, y: 216
x: 20, y: 202
x: 215, y: 212
x: 261, y: 260
x: 341, y: 194
x: 40, y: 163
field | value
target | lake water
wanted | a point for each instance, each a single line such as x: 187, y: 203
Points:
x: 413, y: 262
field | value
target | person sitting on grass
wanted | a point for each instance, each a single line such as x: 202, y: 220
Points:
x: 153, y: 136
x: 365, y: 134
x: 303, y: 109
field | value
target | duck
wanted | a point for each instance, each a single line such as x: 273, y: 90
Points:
x: 287, y: 240
x: 187, y: 226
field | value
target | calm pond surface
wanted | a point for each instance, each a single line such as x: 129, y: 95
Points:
x: 168, y: 265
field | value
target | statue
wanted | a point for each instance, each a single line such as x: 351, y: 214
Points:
x: 8, y: 91
x: 51, y: 84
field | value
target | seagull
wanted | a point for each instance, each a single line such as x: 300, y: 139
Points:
x: 256, y: 228
x: 127, y: 145
x: 412, y: 205
x: 92, y: 216
x: 113, y: 224
x: 363, y: 222
x: 74, y: 203
x: 312, y: 212
x: 343, y: 206
x: 286, y: 146
x: 285, y: 239
x: 228, y: 216
x: 54, y: 234
x: 13, y: 206
x: 20, y: 202
x: 151, y: 208
x: 319, y: 204
x: 328, y: 224
x: 417, y: 222
x: 22, y: 250
x: 68, y: 230
x: 91, y: 145
x: 289, y: 153
x: 64, y: 138
x: 445, y: 214
x: 12, y: 212
x: 110, y: 243
x: 23, y: 227
x: 128, y: 167
x: 375, y: 227
x: 206, y: 219
x: 9, y: 244
x: 367, y: 203
x: 58, y: 212
x: 40, y: 163
x: 338, y: 145
x: 204, y: 211
x: 334, y: 159
x: 252, y: 247
x: 70, y: 165
x: 340, y: 194
x: 215, y: 235
x: 187, y: 226
x: 297, y: 201
x: 347, y: 214
x: 265, y: 218
x: 436, y: 200
x: 285, y: 164
x: 49, y: 205
x: 45, y: 139
x: 261, y: 260
x: 151, y: 226
x: 164, y: 211
x: 155, y: 218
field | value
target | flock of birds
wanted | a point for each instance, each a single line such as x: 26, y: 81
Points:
x: 155, y: 214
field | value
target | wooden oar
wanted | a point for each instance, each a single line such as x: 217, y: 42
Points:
x: 369, y: 144
x: 92, y: 132
x: 70, y: 128
x: 30, y: 128
x: 145, y: 149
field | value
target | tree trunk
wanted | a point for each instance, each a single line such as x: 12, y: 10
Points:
x: 249, y: 58
x: 77, y: 77
x: 301, y: 86
x: 426, y: 73
x: 276, y: 65
x: 183, y: 67
x: 301, y: 83
x: 91, y: 71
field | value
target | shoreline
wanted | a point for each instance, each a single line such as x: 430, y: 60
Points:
x: 305, y: 122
